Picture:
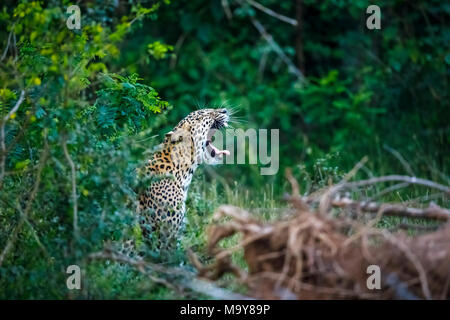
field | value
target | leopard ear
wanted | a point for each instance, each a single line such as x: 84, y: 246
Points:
x: 168, y: 136
x: 177, y: 136
x: 173, y: 137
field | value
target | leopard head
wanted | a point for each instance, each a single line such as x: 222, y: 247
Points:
x: 190, y: 141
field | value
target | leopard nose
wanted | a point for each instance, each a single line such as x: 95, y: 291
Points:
x: 223, y: 110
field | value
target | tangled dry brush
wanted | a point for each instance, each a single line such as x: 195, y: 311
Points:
x: 322, y: 248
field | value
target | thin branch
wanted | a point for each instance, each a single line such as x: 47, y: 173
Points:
x: 389, y: 190
x: 413, y: 259
x: 299, y: 45
x: 16, y: 106
x: 408, y: 226
x: 7, y: 45
x: 432, y: 212
x: 15, y: 48
x: 12, y: 239
x: 411, y: 180
x: 294, y: 184
x: 328, y: 199
x: 400, y: 158
x: 272, y: 13
x: 186, y: 279
x: 139, y: 264
x: 74, y: 187
x: 178, y: 44
x: 33, y: 231
x: 226, y: 8
x: 3, y: 136
x: 268, y: 37
x: 355, y: 169
x: 262, y: 64
x: 325, y: 200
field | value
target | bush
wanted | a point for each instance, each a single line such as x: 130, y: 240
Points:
x: 72, y: 135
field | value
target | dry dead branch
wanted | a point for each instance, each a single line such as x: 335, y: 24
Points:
x: 320, y: 256
x: 175, y: 278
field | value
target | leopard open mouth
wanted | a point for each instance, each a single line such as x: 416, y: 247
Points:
x: 215, y: 152
x: 211, y: 149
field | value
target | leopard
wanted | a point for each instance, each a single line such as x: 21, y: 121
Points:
x: 162, y: 205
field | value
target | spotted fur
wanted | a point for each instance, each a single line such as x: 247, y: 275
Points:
x: 162, y: 205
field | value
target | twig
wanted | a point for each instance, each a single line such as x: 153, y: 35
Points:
x: 178, y: 45
x: 74, y: 187
x: 33, y: 194
x: 139, y: 264
x: 355, y: 169
x: 432, y: 212
x: 268, y: 37
x: 262, y: 64
x: 295, y: 197
x: 411, y: 180
x: 33, y: 231
x: 186, y: 278
x: 294, y: 184
x: 20, y: 134
x: 427, y: 197
x: 16, y: 106
x: 407, y: 226
x: 412, y: 258
x: 389, y: 190
x: 16, y: 56
x: 209, y: 289
x: 7, y: 44
x: 2, y: 135
x: 226, y: 8
x: 445, y: 290
x: 324, y: 202
x: 272, y: 13
x: 328, y: 199
x: 400, y: 158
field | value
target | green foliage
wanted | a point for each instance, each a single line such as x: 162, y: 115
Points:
x: 361, y: 83
x: 67, y: 180
x: 125, y: 103
x: 349, y: 112
x: 159, y: 50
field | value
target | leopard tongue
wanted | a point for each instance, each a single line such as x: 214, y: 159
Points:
x: 218, y: 152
